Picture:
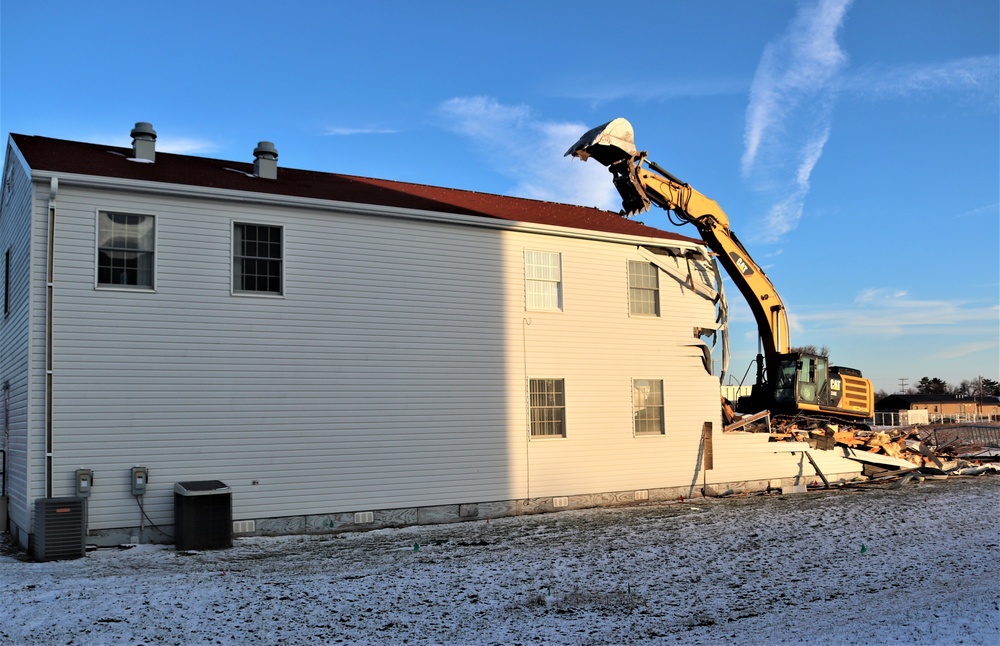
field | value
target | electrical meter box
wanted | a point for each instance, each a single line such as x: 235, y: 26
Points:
x: 84, y: 482
x: 140, y: 476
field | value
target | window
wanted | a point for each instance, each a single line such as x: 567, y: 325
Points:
x: 125, y: 245
x: 256, y: 259
x: 547, y: 401
x: 643, y: 288
x: 647, y: 406
x: 543, y: 280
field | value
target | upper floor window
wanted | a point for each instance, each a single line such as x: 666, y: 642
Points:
x: 543, y: 280
x: 125, y: 250
x: 257, y: 259
x: 643, y: 288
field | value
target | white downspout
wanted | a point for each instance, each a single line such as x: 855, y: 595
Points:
x: 49, y: 278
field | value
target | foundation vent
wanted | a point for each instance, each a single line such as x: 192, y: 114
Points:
x: 560, y: 501
x: 363, y: 517
x: 244, y: 526
x: 642, y: 494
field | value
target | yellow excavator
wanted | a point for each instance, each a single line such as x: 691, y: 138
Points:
x: 787, y: 382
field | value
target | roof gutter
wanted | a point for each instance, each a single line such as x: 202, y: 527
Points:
x: 373, y: 210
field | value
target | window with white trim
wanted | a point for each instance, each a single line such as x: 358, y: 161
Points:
x: 647, y: 406
x: 643, y: 288
x: 125, y: 250
x: 543, y: 280
x: 547, y: 404
x: 257, y: 253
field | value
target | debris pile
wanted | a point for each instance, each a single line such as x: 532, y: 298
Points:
x: 927, y: 451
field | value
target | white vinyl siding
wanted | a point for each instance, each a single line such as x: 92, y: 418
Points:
x: 644, y: 289
x: 6, y: 283
x: 21, y: 347
x: 543, y: 280
x: 394, y: 375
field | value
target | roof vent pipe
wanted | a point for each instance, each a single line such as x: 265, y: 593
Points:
x: 265, y: 163
x: 144, y: 141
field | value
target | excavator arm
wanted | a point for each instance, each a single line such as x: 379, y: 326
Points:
x: 641, y: 182
x: 802, y: 382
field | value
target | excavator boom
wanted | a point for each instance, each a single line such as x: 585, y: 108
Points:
x: 640, y: 183
x: 804, y: 380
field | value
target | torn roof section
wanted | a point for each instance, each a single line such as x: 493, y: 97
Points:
x: 70, y: 157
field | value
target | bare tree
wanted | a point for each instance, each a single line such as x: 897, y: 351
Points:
x: 811, y: 349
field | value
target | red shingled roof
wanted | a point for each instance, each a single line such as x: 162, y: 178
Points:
x: 61, y: 156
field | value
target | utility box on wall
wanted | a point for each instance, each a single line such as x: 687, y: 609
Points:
x: 59, y: 529
x: 203, y: 515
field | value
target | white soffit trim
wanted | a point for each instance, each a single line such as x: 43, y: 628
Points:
x: 209, y: 193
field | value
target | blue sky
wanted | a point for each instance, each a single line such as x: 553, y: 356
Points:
x: 855, y: 146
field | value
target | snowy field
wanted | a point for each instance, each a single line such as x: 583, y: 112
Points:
x: 915, y: 565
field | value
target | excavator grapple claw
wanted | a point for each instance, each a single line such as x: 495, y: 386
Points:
x: 608, y: 144
x: 634, y: 198
x: 613, y: 145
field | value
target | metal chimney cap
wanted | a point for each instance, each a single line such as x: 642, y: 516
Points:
x: 143, y: 130
x: 265, y: 150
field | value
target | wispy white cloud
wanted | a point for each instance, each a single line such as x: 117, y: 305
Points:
x: 788, y: 118
x: 530, y: 150
x: 974, y: 78
x: 888, y: 312
x: 346, y: 132
x: 785, y: 215
x: 797, y: 81
x: 166, y: 144
x: 184, y: 146
x: 877, y: 294
x: 991, y: 210
x: 795, y: 71
x: 965, y: 349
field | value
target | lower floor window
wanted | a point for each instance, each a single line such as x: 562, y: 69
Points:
x: 647, y: 406
x: 547, y: 402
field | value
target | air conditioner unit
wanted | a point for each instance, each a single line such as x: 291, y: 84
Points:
x: 203, y: 515
x: 59, y: 529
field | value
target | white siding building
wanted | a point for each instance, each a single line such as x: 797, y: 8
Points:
x: 329, y: 346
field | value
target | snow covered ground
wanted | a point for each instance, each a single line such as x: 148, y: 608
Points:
x: 914, y: 565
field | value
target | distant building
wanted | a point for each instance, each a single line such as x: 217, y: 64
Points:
x: 344, y: 352
x: 940, y: 407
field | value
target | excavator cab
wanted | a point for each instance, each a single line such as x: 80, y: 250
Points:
x: 803, y: 379
x: 806, y: 382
